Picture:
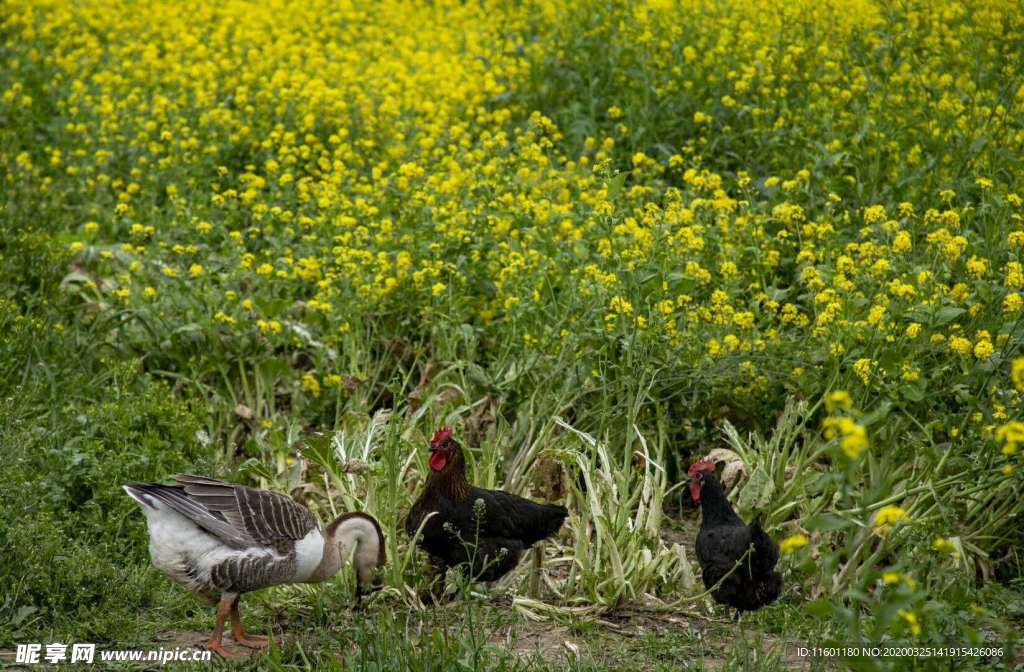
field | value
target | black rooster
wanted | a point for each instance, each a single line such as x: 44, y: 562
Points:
x: 486, y: 530
x: 724, y: 541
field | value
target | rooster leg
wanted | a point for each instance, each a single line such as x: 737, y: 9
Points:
x: 239, y: 634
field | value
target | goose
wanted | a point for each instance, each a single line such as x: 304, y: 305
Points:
x: 219, y: 540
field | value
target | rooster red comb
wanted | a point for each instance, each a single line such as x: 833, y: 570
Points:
x: 701, y: 465
x: 441, y: 436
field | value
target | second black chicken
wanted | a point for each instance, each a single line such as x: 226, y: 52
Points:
x: 740, y: 557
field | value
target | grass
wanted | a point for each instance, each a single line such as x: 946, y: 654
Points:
x: 600, y: 241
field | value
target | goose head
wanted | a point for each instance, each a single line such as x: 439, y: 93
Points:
x: 356, y: 535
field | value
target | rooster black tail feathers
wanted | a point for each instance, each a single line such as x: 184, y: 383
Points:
x: 769, y: 588
x: 555, y: 515
x: 546, y: 521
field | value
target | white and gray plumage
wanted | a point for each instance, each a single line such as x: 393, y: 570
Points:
x: 220, y: 540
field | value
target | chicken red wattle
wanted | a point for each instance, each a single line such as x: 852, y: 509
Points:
x: 439, y: 453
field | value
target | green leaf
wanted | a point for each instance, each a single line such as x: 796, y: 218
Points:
x: 820, y: 608
x: 948, y: 314
x: 826, y: 522
x: 23, y: 612
x: 615, y: 185
x: 912, y: 392
x: 978, y: 144
x: 74, y: 278
x: 757, y: 492
x: 320, y: 451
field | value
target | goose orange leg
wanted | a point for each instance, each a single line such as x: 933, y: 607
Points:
x: 216, y: 639
x: 238, y: 631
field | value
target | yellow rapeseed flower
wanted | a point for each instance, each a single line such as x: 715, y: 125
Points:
x: 983, y: 349
x: 887, y: 517
x: 310, y: 384
x: 1011, y: 435
x: 838, y: 400
x: 863, y: 368
x: 853, y: 437
x: 1017, y: 374
x: 793, y: 543
x: 911, y: 620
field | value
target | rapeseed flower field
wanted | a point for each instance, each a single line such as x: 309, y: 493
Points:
x: 285, y: 241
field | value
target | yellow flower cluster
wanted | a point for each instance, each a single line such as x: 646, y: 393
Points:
x: 1011, y: 436
x: 1017, y: 374
x: 808, y: 213
x: 793, y: 543
x: 853, y: 436
x: 943, y: 545
x: 911, y: 620
x: 887, y: 517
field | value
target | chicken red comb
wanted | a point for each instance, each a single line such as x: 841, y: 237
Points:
x: 701, y: 465
x: 441, y: 436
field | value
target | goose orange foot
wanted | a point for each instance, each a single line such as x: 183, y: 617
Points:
x: 251, y: 641
x: 218, y: 648
x: 239, y: 634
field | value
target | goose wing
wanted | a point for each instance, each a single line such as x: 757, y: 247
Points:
x: 153, y: 496
x: 267, y: 518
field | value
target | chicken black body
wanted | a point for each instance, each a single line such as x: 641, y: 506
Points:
x: 486, y: 530
x: 724, y: 540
